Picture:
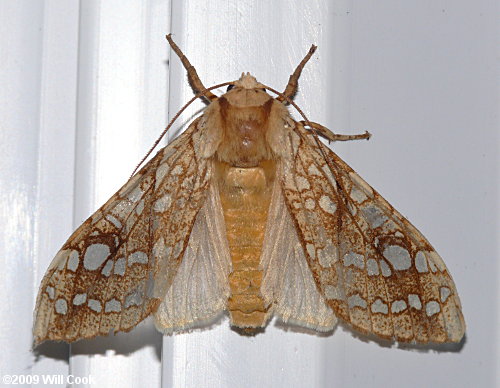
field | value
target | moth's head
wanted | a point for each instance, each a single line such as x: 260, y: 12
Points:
x: 246, y: 92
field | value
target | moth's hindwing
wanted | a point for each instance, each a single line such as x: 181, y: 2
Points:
x: 115, y: 268
x: 199, y: 292
x: 375, y: 270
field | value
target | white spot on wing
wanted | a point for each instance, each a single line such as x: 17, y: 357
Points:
x: 357, y: 195
x: 444, y: 293
x: 138, y: 257
x: 162, y: 203
x: 379, y: 307
x: 133, y: 299
x: 51, y: 292
x: 94, y: 305
x: 328, y: 255
x: 372, y: 267
x: 119, y: 266
x: 356, y: 300
x: 106, y: 270
x: 373, y: 215
x: 115, y: 221
x: 122, y: 209
x: 302, y: 183
x: 312, y: 170
x: 61, y: 306
x: 112, y: 306
x: 327, y: 204
x: 398, y: 306
x: 384, y: 267
x: 398, y: 257
x: 432, y: 308
x: 421, y: 262
x: 161, y: 171
x: 352, y: 258
x: 135, y: 194
x: 95, y: 255
x: 310, y: 204
x: 414, y: 301
x: 79, y: 299
x: 73, y: 261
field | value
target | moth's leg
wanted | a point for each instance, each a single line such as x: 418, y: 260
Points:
x: 293, y: 82
x: 329, y: 135
x: 193, y: 78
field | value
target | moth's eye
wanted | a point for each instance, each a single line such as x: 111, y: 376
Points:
x: 264, y: 90
x: 229, y: 87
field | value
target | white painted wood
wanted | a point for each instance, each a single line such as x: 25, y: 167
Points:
x: 84, y: 93
x: 19, y: 112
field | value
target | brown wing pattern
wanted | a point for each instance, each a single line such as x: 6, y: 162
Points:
x: 105, y: 277
x: 375, y: 270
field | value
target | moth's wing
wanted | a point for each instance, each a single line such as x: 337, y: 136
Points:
x: 200, y: 290
x: 288, y: 284
x: 116, y: 267
x: 376, y: 270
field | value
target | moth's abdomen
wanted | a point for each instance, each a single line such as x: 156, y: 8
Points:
x: 245, y: 195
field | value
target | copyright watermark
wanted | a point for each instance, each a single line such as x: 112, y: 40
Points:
x: 46, y: 379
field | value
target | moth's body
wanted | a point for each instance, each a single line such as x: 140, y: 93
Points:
x: 245, y: 171
x: 247, y: 212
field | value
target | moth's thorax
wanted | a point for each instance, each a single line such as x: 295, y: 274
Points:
x: 244, y: 131
x: 245, y: 126
x: 244, y: 118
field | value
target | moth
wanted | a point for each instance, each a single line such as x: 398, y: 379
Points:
x: 248, y: 212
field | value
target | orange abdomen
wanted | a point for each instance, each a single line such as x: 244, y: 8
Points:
x: 245, y: 195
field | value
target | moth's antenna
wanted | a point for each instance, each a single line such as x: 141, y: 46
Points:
x: 201, y: 94
x: 193, y: 78
x: 293, y: 82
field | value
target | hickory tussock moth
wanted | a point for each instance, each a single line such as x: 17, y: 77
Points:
x: 247, y: 212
